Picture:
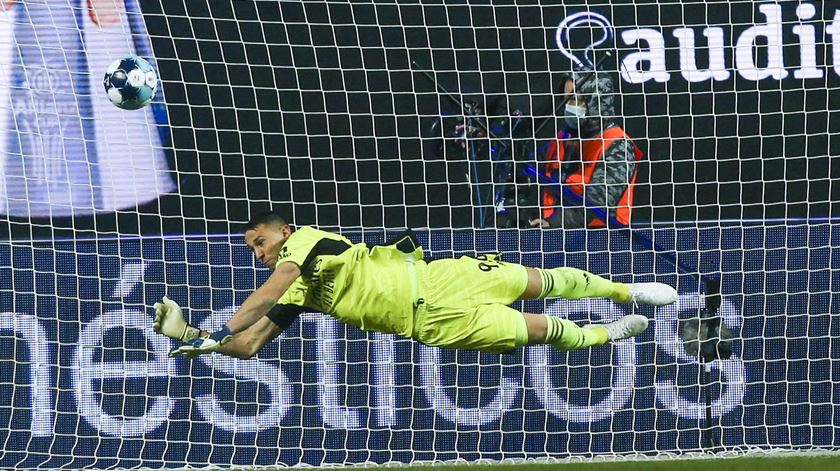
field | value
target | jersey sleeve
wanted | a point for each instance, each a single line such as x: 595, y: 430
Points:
x: 298, y: 247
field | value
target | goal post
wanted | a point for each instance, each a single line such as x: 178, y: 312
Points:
x: 365, y: 119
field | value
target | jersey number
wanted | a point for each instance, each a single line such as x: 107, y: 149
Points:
x: 486, y: 264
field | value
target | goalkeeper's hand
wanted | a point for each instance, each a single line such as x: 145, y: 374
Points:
x: 205, y: 344
x: 169, y: 321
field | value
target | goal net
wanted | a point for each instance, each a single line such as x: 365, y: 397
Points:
x: 367, y: 118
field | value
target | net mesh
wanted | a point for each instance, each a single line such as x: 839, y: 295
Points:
x: 366, y: 118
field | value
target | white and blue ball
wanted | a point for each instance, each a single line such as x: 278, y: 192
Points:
x: 131, y: 82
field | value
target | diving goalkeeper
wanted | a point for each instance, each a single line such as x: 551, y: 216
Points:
x: 449, y: 303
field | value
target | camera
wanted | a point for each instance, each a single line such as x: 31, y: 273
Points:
x: 497, y: 145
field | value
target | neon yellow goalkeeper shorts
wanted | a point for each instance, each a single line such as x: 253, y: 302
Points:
x: 465, y: 304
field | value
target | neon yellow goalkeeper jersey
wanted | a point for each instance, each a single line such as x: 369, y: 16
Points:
x: 368, y: 287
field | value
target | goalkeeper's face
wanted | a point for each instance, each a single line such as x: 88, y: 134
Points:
x: 265, y: 240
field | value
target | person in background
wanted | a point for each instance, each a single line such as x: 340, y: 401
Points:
x: 595, y: 158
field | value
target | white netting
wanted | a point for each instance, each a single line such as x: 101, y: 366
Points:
x: 370, y: 117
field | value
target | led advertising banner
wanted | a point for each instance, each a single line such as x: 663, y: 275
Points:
x: 84, y: 380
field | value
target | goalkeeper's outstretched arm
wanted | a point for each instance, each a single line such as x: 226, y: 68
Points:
x: 169, y: 321
x: 247, y: 343
x: 257, y: 305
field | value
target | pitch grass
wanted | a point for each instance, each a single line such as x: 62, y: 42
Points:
x: 789, y: 463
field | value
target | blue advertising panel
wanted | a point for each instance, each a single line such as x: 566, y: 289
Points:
x: 85, y: 382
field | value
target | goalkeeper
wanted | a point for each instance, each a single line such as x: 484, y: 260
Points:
x: 448, y: 303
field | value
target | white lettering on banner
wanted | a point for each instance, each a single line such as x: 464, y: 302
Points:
x: 435, y: 392
x: 90, y: 372
x: 744, y: 54
x: 131, y: 276
x: 624, y: 372
x: 26, y: 326
x: 732, y: 370
x: 632, y: 69
x: 273, y: 378
x: 648, y: 61
x: 383, y: 378
x: 688, y: 55
x: 807, y: 44
x: 330, y: 387
x: 833, y: 30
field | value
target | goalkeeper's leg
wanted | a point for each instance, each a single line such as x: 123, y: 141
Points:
x: 564, y: 334
x: 572, y: 283
x: 466, y: 306
x: 498, y: 328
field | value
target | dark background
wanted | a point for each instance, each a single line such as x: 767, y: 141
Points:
x: 312, y: 108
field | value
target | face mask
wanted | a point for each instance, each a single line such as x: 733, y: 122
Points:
x: 573, y: 115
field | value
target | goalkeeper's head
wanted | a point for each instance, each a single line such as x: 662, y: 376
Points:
x: 265, y: 234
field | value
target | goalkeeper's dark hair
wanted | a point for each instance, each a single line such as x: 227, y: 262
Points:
x: 265, y: 218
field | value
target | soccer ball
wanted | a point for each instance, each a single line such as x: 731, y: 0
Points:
x: 131, y: 82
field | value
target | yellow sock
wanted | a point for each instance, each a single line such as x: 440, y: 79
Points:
x: 571, y: 283
x: 563, y: 334
x: 621, y: 293
x: 521, y: 338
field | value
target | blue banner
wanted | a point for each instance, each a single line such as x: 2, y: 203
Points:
x: 85, y: 382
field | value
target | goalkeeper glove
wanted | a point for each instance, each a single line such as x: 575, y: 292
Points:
x: 169, y: 321
x: 205, y: 344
